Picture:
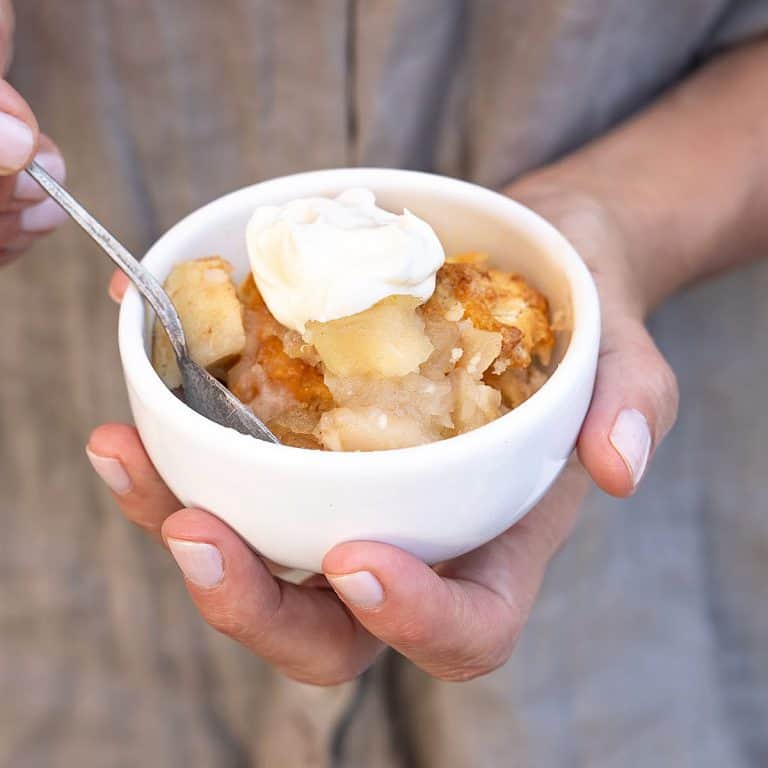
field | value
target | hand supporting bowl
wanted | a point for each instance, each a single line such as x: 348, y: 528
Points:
x: 437, y: 500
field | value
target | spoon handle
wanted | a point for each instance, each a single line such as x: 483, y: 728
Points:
x: 144, y: 281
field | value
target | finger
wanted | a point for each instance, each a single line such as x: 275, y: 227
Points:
x: 19, y: 230
x: 462, y: 619
x: 633, y: 407
x: 118, y: 457
x: 307, y: 633
x: 10, y: 228
x: 118, y: 285
x: 42, y: 218
x: 24, y: 190
x: 25, y: 217
x: 18, y: 131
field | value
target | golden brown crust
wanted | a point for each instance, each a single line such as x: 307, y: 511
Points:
x: 522, y: 306
x: 498, y: 301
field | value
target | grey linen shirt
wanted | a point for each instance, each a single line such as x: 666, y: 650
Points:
x: 649, y: 644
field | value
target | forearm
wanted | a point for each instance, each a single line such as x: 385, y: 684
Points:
x: 686, y: 179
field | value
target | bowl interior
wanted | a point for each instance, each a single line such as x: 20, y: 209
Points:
x: 465, y: 218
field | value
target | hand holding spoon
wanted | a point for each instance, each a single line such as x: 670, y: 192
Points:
x: 202, y: 392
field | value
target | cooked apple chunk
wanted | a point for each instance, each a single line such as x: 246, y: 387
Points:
x: 368, y: 429
x: 211, y: 314
x: 386, y: 340
x: 478, y: 349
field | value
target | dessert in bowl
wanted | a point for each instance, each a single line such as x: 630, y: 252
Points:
x: 352, y: 331
x: 446, y: 397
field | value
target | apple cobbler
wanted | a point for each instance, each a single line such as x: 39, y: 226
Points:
x: 401, y: 373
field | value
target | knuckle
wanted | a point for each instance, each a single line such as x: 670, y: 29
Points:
x: 667, y: 394
x: 336, y: 667
x: 225, y: 614
x: 665, y: 379
x: 670, y: 383
x: 472, y: 667
x: 329, y: 669
x: 659, y: 383
x: 415, y: 633
x: 227, y: 622
x: 463, y: 674
x: 468, y: 663
x: 147, y: 526
x: 330, y: 675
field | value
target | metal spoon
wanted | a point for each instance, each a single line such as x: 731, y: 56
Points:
x: 202, y: 392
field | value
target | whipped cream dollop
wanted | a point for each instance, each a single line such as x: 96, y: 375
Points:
x: 321, y: 258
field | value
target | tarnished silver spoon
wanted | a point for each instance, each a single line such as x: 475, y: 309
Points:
x: 202, y: 392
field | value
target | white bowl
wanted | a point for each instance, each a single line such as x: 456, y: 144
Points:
x: 436, y: 501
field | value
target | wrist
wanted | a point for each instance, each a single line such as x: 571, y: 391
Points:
x: 640, y: 247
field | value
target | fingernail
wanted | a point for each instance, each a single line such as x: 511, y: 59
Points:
x: 200, y: 563
x: 16, y: 143
x: 42, y: 217
x: 28, y: 189
x: 631, y: 437
x: 111, y: 471
x: 361, y: 589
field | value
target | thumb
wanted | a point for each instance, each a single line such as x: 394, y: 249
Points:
x: 633, y: 407
x: 453, y: 628
x: 18, y: 131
